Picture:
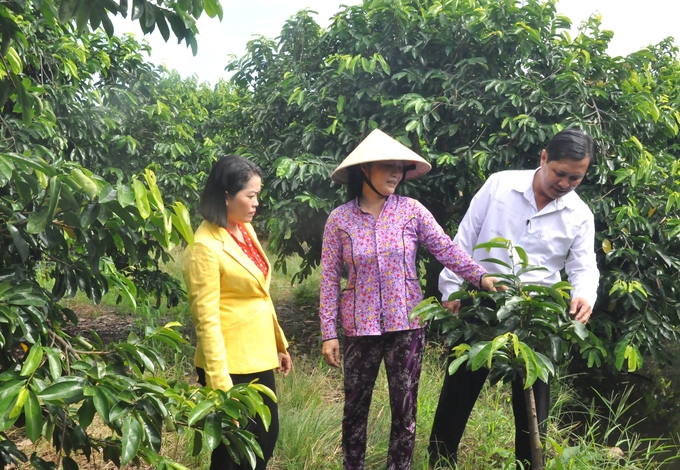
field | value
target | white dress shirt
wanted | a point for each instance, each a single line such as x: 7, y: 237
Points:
x: 561, y: 235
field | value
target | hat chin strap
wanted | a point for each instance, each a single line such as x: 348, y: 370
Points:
x: 370, y: 185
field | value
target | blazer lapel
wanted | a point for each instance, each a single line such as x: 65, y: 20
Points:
x: 232, y: 249
x: 256, y: 242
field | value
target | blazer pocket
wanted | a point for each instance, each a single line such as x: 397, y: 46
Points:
x: 241, y: 319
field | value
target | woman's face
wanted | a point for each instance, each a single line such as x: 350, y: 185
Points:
x: 241, y: 206
x: 385, y: 175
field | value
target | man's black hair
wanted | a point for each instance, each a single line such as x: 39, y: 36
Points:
x: 571, y: 143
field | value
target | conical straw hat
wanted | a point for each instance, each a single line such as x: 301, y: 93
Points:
x: 378, y: 147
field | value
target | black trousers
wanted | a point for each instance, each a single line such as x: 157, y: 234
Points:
x: 458, y: 396
x: 221, y: 460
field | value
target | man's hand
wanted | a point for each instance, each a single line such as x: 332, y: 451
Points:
x: 331, y: 352
x: 285, y: 364
x: 580, y: 309
x: 452, y: 305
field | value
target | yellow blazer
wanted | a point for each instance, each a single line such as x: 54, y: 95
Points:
x: 234, y: 316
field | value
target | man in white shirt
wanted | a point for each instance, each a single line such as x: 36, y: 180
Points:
x: 538, y: 211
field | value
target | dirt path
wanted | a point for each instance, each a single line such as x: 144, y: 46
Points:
x: 299, y: 323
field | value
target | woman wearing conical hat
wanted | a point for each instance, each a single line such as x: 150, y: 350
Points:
x: 375, y: 237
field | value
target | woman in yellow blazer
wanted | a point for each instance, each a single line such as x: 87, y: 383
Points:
x: 227, y: 276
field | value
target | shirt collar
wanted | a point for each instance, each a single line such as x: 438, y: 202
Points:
x: 389, y: 202
x: 524, y: 184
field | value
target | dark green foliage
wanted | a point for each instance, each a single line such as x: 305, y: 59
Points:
x: 477, y: 87
x: 68, y: 102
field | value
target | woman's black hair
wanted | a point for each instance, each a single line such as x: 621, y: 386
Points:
x: 355, y: 182
x: 571, y: 143
x: 228, y: 176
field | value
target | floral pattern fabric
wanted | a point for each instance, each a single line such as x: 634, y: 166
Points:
x: 380, y: 258
x: 403, y: 355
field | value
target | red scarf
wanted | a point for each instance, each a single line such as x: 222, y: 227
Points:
x: 251, y: 250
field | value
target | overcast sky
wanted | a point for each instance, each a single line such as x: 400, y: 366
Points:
x: 636, y: 24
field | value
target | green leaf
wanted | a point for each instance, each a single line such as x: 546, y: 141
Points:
x: 212, y: 430
x: 153, y: 189
x: 141, y: 199
x: 37, y: 222
x: 89, y: 215
x: 132, y: 438
x: 456, y: 363
x: 67, y: 10
x: 480, y: 355
x: 68, y: 389
x: 580, y: 329
x: 427, y: 310
x: 153, y: 434
x: 197, y: 443
x: 498, y: 262
x: 86, y: 412
x: 126, y: 196
x: 19, y: 242
x: 54, y: 362
x: 101, y: 404
x: 213, y: 8
x: 163, y: 26
x: 512, y: 305
x: 7, y: 405
x: 556, y: 348
x: 529, y: 363
x: 33, y: 360
x: 55, y: 192
x: 182, y: 222
x: 85, y: 183
x: 69, y: 464
x: 545, y: 367
x: 341, y: 103
x: 10, y: 387
x: 522, y: 255
x: 6, y: 168
x: 200, y: 411
x: 263, y: 389
x: 120, y: 410
x: 19, y: 403
x: 31, y: 161
x: 34, y: 418
x: 501, y: 243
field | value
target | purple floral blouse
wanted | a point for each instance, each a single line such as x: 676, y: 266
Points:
x: 380, y: 258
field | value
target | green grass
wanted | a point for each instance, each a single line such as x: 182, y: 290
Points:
x: 311, y: 402
x: 282, y: 289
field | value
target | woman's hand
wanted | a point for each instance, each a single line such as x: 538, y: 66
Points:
x: 285, y: 364
x: 331, y: 352
x: 488, y: 283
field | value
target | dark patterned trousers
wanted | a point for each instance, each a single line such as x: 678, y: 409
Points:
x: 402, y: 352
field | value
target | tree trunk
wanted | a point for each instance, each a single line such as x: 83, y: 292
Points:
x: 534, y: 436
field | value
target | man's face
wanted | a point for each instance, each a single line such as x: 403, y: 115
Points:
x: 559, y: 177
